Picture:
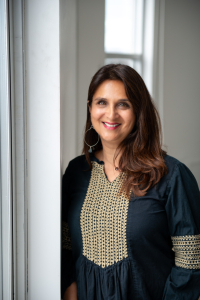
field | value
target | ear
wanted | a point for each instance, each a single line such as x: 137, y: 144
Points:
x: 89, y: 106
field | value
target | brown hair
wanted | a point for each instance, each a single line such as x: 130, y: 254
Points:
x: 141, y: 156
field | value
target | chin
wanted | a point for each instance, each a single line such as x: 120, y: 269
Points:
x: 111, y: 140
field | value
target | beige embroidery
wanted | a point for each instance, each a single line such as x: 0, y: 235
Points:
x: 66, y: 240
x: 187, y: 251
x: 103, y: 219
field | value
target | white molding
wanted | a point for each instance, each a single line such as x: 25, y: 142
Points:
x: 5, y: 158
x: 18, y: 103
x: 158, y: 74
x: 148, y: 43
x: 42, y: 39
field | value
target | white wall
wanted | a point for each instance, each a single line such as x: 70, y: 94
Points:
x: 90, y: 55
x: 43, y: 148
x: 68, y: 79
x: 82, y: 54
x: 181, y: 82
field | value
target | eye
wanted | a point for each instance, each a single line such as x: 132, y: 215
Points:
x: 124, y: 105
x: 101, y: 102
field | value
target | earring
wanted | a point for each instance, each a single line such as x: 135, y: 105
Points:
x: 90, y: 150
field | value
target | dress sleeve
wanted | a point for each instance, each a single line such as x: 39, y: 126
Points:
x: 67, y: 263
x: 183, y: 213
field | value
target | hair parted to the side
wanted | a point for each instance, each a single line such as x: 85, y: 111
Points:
x: 141, y: 155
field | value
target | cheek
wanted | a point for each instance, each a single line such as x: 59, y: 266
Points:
x: 129, y: 117
x: 96, y: 114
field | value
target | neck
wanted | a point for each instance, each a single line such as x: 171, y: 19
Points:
x: 107, y: 154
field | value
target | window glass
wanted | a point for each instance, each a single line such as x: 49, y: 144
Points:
x: 123, y: 26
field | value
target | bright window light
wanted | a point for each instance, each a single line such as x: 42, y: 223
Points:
x: 123, y: 26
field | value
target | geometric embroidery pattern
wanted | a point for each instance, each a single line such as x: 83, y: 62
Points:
x: 66, y: 240
x: 187, y: 251
x: 103, y: 219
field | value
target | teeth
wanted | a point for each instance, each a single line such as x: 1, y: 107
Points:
x: 109, y: 125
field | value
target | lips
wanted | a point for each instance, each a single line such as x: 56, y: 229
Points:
x: 111, y: 126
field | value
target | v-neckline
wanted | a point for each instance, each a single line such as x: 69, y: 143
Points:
x: 101, y: 162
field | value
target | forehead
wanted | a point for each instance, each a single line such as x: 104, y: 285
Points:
x: 110, y: 88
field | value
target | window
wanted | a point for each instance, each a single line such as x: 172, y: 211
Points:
x: 123, y: 39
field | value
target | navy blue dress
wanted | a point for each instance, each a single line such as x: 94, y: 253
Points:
x: 147, y: 248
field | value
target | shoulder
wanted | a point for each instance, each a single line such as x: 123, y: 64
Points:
x: 173, y: 164
x: 179, y: 173
x: 78, y: 160
x: 77, y: 175
x: 78, y: 163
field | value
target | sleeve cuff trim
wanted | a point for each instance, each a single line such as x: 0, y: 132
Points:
x: 187, y: 251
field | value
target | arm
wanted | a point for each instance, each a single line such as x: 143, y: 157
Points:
x: 71, y: 292
x: 68, y: 270
x: 183, y: 212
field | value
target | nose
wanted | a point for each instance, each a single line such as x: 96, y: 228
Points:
x: 111, y: 112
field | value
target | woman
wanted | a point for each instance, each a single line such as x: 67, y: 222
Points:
x: 131, y: 225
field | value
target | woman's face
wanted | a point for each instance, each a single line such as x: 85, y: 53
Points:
x: 111, y: 112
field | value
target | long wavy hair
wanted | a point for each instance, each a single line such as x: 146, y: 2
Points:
x: 141, y: 155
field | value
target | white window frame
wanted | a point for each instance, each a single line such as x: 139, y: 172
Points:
x: 133, y: 57
x: 13, y: 247
x: 19, y: 156
x: 146, y: 58
x: 6, y: 259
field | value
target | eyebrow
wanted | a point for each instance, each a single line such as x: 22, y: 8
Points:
x: 100, y: 98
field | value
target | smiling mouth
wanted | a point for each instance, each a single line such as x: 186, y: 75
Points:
x: 111, y: 125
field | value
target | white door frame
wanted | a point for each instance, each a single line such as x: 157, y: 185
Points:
x: 5, y: 158
x: 19, y: 156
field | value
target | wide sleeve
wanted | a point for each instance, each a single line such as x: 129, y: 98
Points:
x: 183, y: 213
x: 67, y: 263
